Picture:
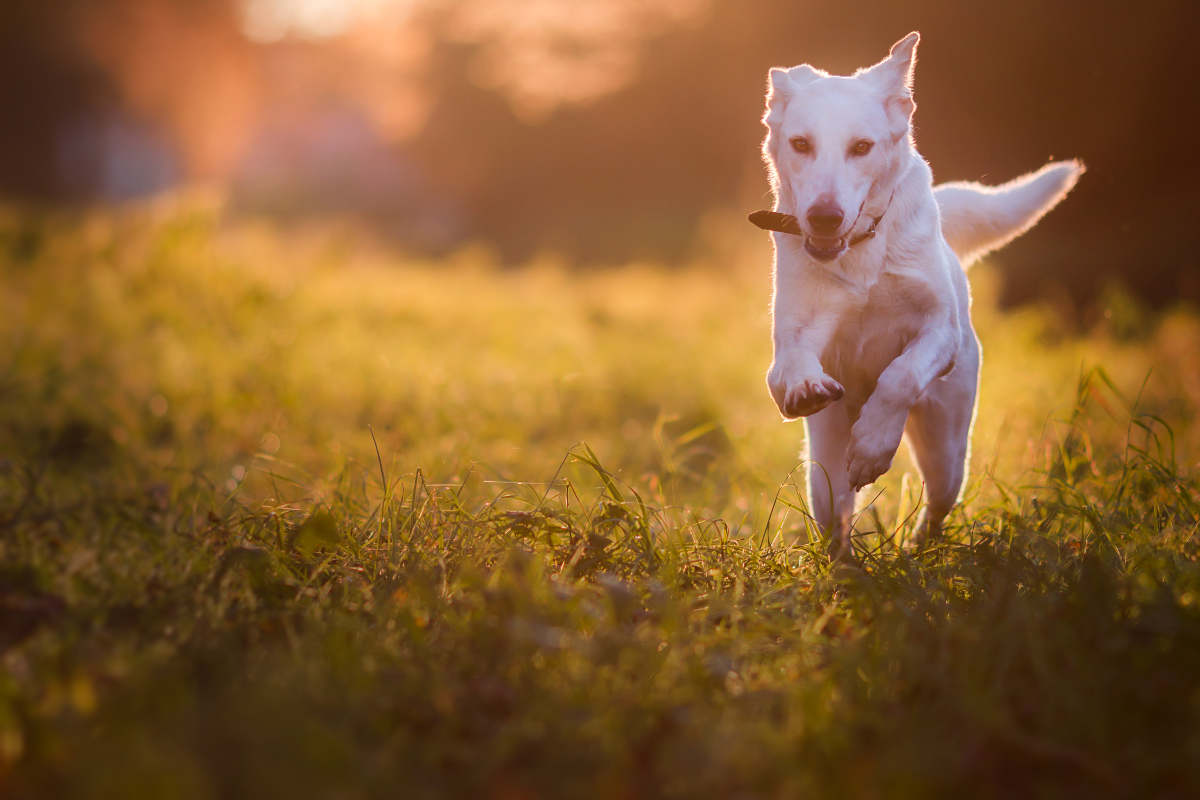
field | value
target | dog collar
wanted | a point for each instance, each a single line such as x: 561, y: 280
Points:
x: 786, y: 223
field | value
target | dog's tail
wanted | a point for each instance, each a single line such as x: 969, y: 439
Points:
x: 977, y: 219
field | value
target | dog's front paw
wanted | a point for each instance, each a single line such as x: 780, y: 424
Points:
x: 808, y: 396
x: 872, y: 448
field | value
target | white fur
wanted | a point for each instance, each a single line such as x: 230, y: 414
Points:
x: 874, y: 342
x: 977, y: 219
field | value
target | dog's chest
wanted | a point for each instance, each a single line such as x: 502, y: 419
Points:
x: 873, y: 331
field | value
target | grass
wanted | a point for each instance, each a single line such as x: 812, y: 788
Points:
x: 284, y: 515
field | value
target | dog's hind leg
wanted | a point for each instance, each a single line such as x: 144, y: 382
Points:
x: 829, y: 494
x: 939, y: 437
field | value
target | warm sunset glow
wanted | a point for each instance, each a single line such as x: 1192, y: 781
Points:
x: 270, y: 21
x: 546, y: 53
x: 539, y: 53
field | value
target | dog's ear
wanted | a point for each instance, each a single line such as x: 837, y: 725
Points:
x: 782, y: 84
x: 893, y: 77
x: 779, y: 91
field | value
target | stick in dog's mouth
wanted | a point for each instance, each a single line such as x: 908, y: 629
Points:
x: 820, y: 249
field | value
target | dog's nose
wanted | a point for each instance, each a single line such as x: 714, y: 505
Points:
x: 825, y: 219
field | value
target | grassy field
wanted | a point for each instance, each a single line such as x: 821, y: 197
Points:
x: 283, y: 514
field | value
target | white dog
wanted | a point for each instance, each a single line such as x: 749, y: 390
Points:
x: 871, y: 310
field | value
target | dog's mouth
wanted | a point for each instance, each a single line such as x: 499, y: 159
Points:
x: 825, y: 249
x: 822, y: 248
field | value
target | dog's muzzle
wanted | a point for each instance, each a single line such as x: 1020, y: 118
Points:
x: 818, y: 248
x: 822, y: 249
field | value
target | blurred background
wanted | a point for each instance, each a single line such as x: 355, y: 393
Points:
x: 599, y: 130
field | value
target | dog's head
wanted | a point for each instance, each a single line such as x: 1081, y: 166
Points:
x: 831, y: 141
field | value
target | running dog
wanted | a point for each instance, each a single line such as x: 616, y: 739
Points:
x: 871, y: 311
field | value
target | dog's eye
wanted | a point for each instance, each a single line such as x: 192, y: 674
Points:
x: 801, y: 145
x: 861, y: 148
